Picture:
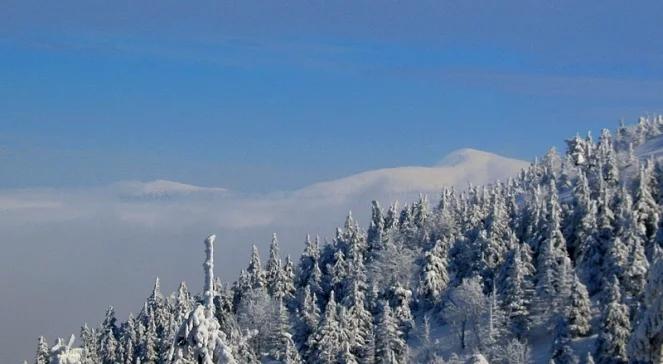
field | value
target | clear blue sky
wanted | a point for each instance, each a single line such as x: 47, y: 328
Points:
x: 265, y: 95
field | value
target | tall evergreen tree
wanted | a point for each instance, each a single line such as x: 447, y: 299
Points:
x: 646, y: 343
x: 434, y: 274
x: 390, y: 347
x: 108, y: 343
x: 43, y: 351
x: 327, y: 341
x: 615, y: 329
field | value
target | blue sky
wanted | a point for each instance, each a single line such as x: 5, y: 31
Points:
x: 263, y: 95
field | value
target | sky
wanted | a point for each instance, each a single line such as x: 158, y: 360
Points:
x: 260, y: 100
x: 260, y: 95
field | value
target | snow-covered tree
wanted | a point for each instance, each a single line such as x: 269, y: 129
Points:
x: 646, y: 343
x: 646, y: 208
x: 200, y: 338
x: 464, y: 309
x: 578, y: 310
x: 309, y: 316
x: 43, y: 352
x: 390, y: 346
x: 434, y: 274
x: 254, y: 270
x: 273, y: 270
x: 65, y: 353
x: 307, y: 260
x: 615, y: 329
x: 108, y: 335
x: 516, y: 291
x: 327, y: 341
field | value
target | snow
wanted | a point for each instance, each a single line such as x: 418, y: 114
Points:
x: 457, y: 169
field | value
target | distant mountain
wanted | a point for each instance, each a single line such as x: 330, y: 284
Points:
x: 456, y: 169
x: 160, y: 188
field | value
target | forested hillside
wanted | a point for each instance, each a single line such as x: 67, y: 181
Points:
x: 562, y: 263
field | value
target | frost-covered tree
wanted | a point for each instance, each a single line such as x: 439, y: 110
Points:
x: 254, y: 270
x: 516, y: 292
x: 464, y: 309
x: 579, y: 309
x: 43, y: 352
x: 327, y: 341
x: 360, y: 324
x: 513, y: 352
x: 108, y: 335
x: 375, y: 237
x: 65, y: 353
x: 307, y: 260
x: 273, y: 270
x: 646, y: 343
x: 390, y: 346
x: 400, y: 299
x: 615, y: 329
x: 553, y: 263
x: 200, y: 338
x: 646, y: 208
x: 434, y: 274
x: 279, y: 332
x: 309, y: 316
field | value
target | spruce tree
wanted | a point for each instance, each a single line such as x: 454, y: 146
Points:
x: 43, y: 351
x: 326, y: 343
x: 390, y: 347
x: 254, y: 270
x: 516, y: 292
x: 646, y: 343
x: 615, y: 329
x: 108, y: 343
x: 434, y: 276
x: 579, y: 309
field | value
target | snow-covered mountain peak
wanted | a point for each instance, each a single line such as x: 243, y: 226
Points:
x: 467, y: 156
x: 162, y: 189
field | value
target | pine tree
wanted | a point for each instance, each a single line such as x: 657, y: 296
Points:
x: 516, y: 292
x: 400, y: 298
x: 646, y: 208
x: 273, y: 272
x: 376, y: 230
x: 553, y: 263
x: 309, y: 316
x: 360, y: 322
x: 108, y: 343
x: 279, y: 331
x: 346, y: 356
x: 646, y: 343
x: 291, y: 355
x: 43, y: 352
x: 254, y: 270
x: 200, y: 339
x: 307, y: 260
x: 434, y: 276
x: 579, y: 310
x: 287, y: 278
x: 89, y: 344
x: 562, y: 352
x: 183, y: 303
x: 128, y: 340
x: 390, y: 346
x: 326, y: 343
x: 615, y: 329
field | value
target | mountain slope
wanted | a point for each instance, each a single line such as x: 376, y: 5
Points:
x: 456, y: 169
